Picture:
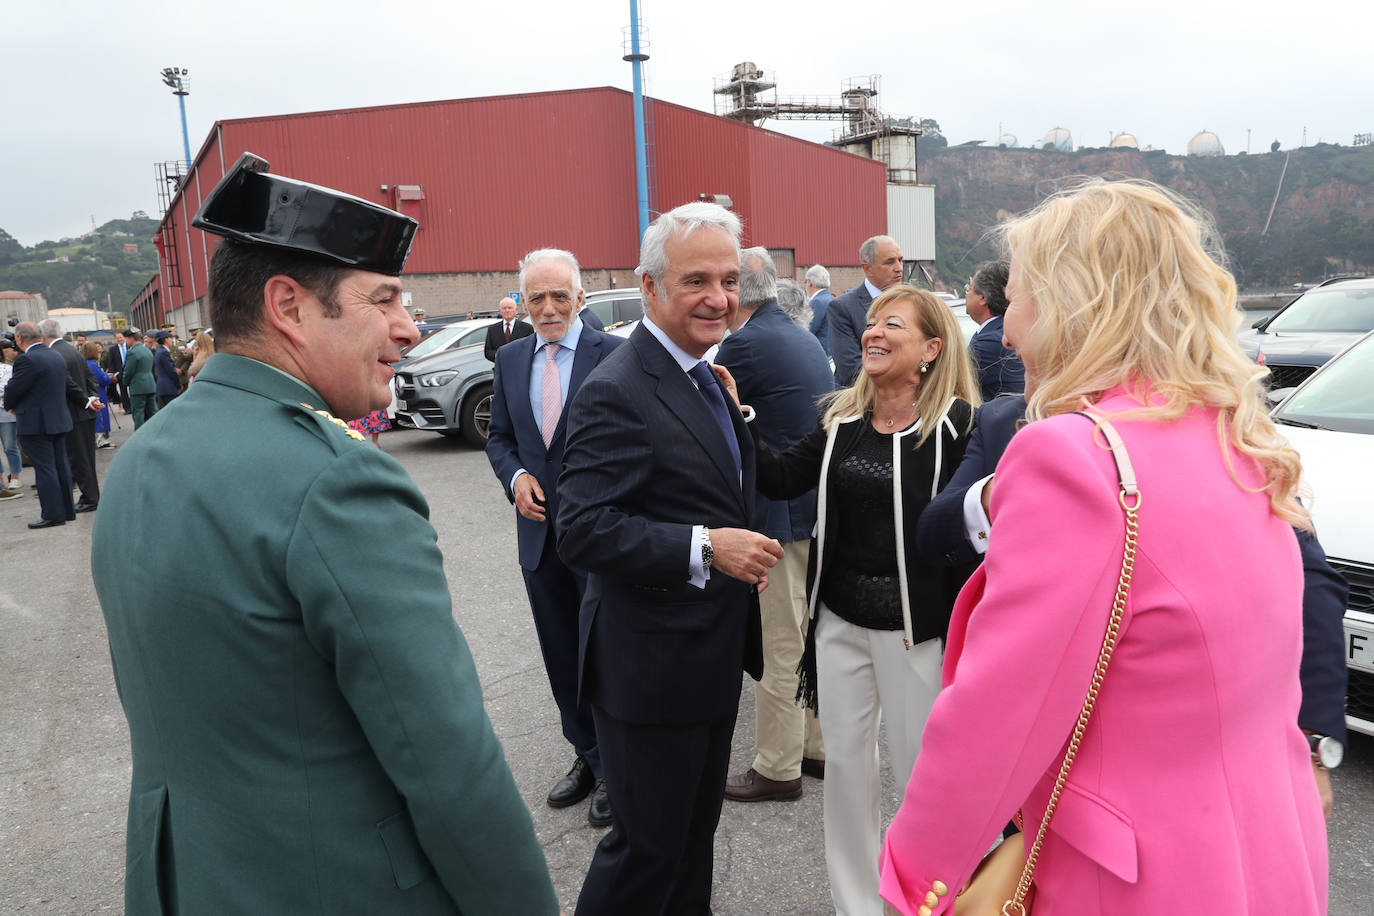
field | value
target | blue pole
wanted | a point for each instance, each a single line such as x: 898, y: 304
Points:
x: 641, y: 159
x: 185, y: 137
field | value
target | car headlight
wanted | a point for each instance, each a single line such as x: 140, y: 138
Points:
x: 438, y: 379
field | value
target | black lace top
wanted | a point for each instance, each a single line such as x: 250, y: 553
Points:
x: 861, y: 585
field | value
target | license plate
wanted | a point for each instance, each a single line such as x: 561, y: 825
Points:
x: 1359, y: 641
x: 402, y: 405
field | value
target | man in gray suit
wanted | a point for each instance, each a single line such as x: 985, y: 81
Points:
x: 818, y: 295
x: 882, y: 263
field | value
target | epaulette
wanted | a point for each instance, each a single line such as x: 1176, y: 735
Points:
x: 330, y: 418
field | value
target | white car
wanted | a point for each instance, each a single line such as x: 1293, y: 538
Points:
x: 1329, y: 419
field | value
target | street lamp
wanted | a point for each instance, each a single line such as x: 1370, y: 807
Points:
x: 177, y: 78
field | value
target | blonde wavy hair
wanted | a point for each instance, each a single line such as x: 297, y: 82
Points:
x: 1129, y: 286
x: 950, y: 374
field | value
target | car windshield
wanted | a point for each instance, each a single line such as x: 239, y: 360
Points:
x: 1334, y: 309
x: 437, y: 341
x: 1340, y: 397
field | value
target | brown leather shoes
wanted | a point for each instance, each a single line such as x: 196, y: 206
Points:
x: 750, y: 786
x: 813, y: 767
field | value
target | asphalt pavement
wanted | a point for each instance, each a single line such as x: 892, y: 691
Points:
x: 64, y: 753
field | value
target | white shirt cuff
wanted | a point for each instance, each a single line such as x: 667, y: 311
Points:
x: 697, y: 574
x: 513, y: 478
x: 976, y: 523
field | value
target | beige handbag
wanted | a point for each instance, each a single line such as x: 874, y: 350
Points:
x: 1002, y: 881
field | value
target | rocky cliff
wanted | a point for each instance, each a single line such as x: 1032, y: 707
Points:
x: 1323, y: 222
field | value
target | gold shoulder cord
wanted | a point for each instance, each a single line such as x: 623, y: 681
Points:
x: 1016, y: 905
x: 352, y: 433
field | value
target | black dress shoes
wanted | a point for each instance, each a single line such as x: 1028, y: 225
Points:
x: 599, y: 812
x: 86, y: 507
x: 47, y: 523
x: 813, y: 767
x: 574, y: 787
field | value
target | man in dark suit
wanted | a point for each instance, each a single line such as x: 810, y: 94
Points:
x: 114, y: 365
x: 881, y: 259
x: 985, y: 299
x: 818, y: 295
x: 589, y: 319
x: 509, y: 328
x: 37, y: 394
x: 165, y: 370
x: 534, y: 378
x: 781, y: 371
x: 655, y: 492
x: 83, y: 400
x: 953, y: 530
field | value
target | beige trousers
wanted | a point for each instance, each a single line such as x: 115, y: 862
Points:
x: 785, y: 730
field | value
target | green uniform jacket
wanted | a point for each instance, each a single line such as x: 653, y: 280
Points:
x: 138, y: 370
x: 307, y: 725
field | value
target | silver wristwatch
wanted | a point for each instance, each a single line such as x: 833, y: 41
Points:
x: 707, y: 554
x: 1327, y: 752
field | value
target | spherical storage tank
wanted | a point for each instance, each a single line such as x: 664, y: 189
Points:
x: 1206, y: 143
x: 1124, y: 140
x: 1058, y: 138
x: 1008, y: 140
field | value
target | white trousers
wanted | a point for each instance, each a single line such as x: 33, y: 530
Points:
x: 866, y: 677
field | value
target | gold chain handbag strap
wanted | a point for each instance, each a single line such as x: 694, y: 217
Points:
x: 1129, y: 497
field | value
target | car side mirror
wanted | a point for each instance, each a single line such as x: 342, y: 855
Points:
x: 1277, y: 396
x: 1257, y: 324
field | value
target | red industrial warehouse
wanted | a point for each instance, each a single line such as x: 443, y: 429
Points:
x: 492, y: 178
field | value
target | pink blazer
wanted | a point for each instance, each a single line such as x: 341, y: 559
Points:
x: 1193, y: 790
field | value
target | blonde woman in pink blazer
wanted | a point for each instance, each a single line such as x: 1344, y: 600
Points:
x: 1193, y: 790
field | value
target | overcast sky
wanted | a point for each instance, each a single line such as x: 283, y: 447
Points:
x: 84, y: 113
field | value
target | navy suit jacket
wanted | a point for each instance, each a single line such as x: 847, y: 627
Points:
x: 496, y: 335
x: 999, y: 370
x: 782, y: 373
x: 81, y: 383
x: 515, y: 440
x: 645, y: 461
x: 168, y: 382
x: 942, y: 540
x: 590, y: 320
x: 848, y: 317
x: 820, y: 318
x: 37, y: 393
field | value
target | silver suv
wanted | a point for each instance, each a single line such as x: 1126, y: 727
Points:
x: 448, y: 392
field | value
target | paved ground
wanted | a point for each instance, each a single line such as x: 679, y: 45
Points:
x: 64, y: 757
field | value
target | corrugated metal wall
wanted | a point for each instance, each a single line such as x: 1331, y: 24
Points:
x: 503, y: 175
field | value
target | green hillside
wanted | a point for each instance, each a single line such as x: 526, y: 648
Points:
x: 1323, y: 221
x: 96, y: 268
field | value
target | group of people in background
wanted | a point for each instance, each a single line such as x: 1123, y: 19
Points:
x: 136, y: 372
x: 930, y: 535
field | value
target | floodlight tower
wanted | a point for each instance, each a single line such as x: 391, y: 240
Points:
x: 177, y: 78
x: 636, y: 54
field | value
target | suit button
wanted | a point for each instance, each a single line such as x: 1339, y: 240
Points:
x: 940, y: 887
x: 924, y: 911
x: 931, y: 899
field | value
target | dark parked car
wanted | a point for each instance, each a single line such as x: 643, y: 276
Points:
x: 1297, y: 339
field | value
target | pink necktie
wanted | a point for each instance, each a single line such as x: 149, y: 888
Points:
x: 550, y: 394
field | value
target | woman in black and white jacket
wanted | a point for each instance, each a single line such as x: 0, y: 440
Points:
x: 878, y: 615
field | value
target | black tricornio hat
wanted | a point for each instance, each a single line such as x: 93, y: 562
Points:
x: 250, y: 205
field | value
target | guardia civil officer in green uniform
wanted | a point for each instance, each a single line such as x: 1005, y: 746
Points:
x: 308, y: 732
